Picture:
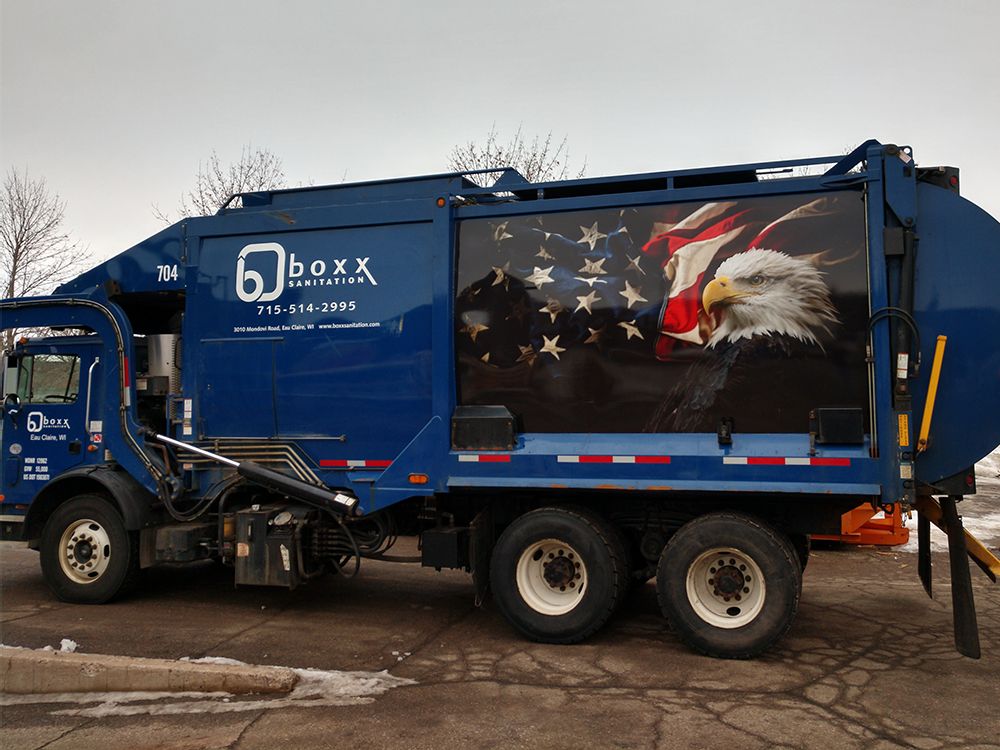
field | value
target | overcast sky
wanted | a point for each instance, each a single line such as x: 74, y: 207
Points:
x: 115, y: 103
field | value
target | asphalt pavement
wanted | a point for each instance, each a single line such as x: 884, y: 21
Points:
x: 410, y: 662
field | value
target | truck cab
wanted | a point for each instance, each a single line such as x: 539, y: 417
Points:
x: 50, y: 400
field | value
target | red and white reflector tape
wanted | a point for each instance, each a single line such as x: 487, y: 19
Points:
x: 784, y: 461
x: 613, y: 459
x: 360, y: 463
x: 484, y: 458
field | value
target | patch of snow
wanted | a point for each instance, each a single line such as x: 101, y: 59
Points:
x: 215, y: 660
x: 67, y: 645
x: 315, y: 687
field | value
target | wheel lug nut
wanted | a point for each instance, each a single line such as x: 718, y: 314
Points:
x: 711, y: 581
x: 572, y: 584
x: 711, y: 570
x: 737, y: 597
x: 562, y: 588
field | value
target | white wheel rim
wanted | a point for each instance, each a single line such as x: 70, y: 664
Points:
x: 725, y: 587
x: 84, y: 551
x: 551, y: 577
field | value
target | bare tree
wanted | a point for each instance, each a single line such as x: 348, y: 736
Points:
x: 256, y: 169
x: 539, y: 160
x: 38, y: 253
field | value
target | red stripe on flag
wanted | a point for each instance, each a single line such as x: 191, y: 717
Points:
x: 830, y: 461
x: 493, y: 458
x: 595, y: 459
x: 765, y: 461
x: 652, y: 459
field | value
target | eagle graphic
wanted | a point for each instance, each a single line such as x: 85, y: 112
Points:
x: 762, y: 308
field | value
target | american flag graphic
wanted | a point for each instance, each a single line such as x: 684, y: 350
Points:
x: 559, y: 303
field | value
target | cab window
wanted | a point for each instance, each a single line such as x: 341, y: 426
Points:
x: 48, y: 379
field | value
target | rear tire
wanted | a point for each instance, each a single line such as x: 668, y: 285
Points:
x: 87, y: 555
x: 729, y: 584
x: 557, y: 574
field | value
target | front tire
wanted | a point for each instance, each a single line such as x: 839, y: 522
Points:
x: 87, y: 555
x: 557, y: 574
x: 729, y: 584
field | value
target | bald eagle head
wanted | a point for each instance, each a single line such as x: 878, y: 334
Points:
x: 765, y: 292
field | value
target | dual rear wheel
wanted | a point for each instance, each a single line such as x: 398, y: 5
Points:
x: 728, y: 583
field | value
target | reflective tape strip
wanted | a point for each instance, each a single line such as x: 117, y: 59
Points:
x: 784, y: 461
x: 613, y: 459
x: 353, y: 463
x: 484, y: 458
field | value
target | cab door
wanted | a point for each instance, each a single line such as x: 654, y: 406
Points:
x: 43, y: 422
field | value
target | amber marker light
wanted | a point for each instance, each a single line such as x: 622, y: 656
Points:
x: 91, y: 448
x: 419, y: 479
x: 441, y: 202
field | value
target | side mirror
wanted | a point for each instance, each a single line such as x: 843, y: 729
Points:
x: 12, y: 406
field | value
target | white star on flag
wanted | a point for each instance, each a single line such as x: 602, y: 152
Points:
x: 590, y: 280
x: 501, y: 273
x: 540, y: 276
x: 551, y: 346
x: 631, y: 329
x: 591, y: 236
x: 593, y: 266
x: 553, y: 308
x: 595, y: 335
x: 474, y: 329
x: 586, y: 301
x: 633, y: 264
x: 631, y: 293
x: 500, y: 232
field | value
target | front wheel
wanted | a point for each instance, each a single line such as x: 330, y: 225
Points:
x: 87, y: 555
x: 558, y: 574
x: 729, y: 584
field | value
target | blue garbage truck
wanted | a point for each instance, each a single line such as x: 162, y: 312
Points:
x: 565, y: 388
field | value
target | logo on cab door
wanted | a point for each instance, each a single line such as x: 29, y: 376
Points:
x: 38, y: 422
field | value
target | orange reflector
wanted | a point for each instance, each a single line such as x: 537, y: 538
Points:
x: 2, y: 498
x: 419, y: 479
x: 91, y: 448
x: 440, y: 202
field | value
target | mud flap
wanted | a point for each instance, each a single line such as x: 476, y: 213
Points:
x: 924, y: 552
x: 962, y: 601
x: 481, y: 541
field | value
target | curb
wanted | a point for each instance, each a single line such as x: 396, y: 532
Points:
x: 28, y: 671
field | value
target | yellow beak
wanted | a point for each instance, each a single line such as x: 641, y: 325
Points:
x: 718, y: 291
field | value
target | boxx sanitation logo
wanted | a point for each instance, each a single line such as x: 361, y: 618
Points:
x: 269, y: 259
x: 38, y: 422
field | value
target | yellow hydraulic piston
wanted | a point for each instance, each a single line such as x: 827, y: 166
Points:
x: 932, y: 386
